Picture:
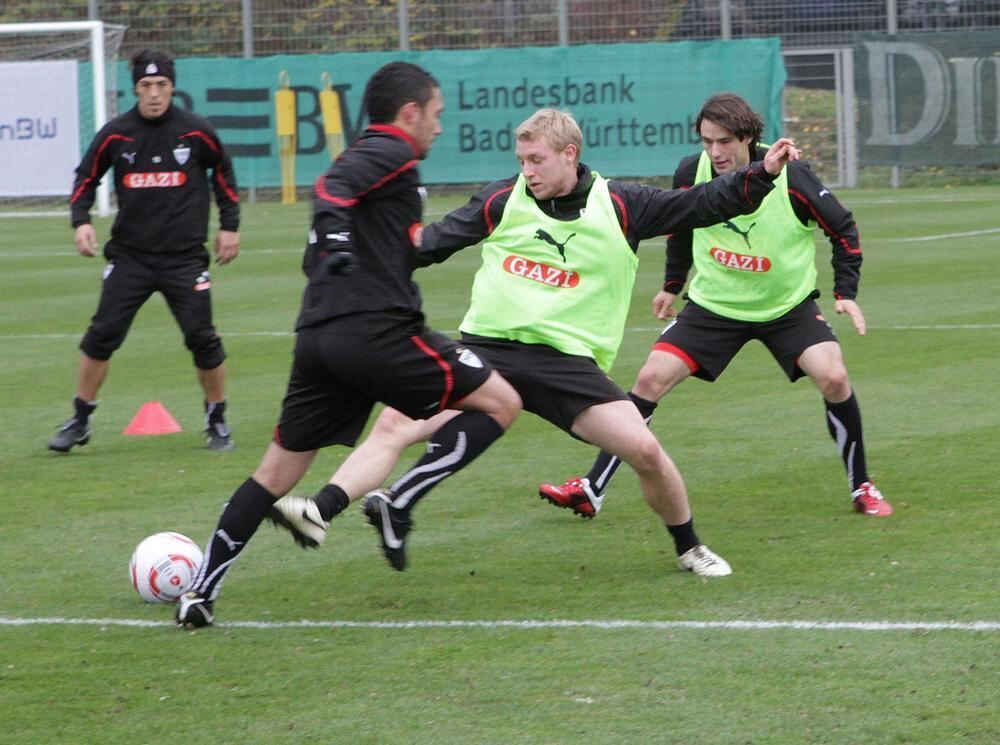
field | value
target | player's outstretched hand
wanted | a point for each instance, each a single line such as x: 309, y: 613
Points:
x: 780, y: 153
x: 853, y: 310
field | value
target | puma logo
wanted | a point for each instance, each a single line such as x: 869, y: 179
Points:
x: 230, y: 543
x: 744, y: 234
x: 541, y: 235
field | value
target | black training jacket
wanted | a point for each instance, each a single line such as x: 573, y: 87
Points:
x: 369, y: 203
x: 161, y: 180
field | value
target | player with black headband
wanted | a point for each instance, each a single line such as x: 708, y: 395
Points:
x: 161, y: 156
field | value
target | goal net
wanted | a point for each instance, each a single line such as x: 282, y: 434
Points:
x: 58, y: 87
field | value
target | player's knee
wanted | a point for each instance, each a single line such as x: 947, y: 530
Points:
x: 507, y: 403
x: 834, y: 384
x: 102, y: 340
x: 656, y: 377
x: 393, y: 429
x: 508, y: 411
x: 646, y: 454
x: 206, y: 348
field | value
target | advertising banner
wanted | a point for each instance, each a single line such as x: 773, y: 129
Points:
x: 928, y: 99
x: 636, y: 103
x: 39, y: 128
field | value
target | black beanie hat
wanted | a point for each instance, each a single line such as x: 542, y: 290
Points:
x: 150, y: 62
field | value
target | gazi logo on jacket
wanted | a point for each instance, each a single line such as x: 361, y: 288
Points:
x: 156, y: 180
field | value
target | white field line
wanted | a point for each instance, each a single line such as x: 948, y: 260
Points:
x: 611, y: 625
x: 942, y: 236
x: 937, y: 198
x: 454, y: 332
x: 62, y: 252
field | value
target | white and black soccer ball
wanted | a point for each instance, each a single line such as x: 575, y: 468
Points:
x: 163, y: 566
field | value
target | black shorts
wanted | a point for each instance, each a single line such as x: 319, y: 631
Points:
x: 344, y: 366
x: 129, y: 281
x: 707, y: 342
x: 552, y: 384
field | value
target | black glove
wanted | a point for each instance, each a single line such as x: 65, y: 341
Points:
x: 341, y: 263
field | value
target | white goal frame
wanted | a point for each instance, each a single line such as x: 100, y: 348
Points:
x: 97, y: 59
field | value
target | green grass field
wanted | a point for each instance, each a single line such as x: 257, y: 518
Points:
x: 519, y: 623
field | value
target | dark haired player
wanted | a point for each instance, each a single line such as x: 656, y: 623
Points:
x: 361, y: 336
x: 756, y: 279
x: 161, y: 156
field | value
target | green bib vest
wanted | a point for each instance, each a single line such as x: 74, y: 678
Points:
x: 567, y: 284
x: 753, y: 267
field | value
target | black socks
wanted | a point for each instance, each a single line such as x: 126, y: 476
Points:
x: 214, y: 412
x: 240, y: 518
x: 844, y: 422
x: 457, y: 443
x: 684, y: 536
x: 331, y: 500
x: 83, y: 409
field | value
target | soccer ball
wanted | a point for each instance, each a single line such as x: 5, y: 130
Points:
x: 163, y: 567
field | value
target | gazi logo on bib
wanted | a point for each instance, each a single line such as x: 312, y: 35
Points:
x: 538, y: 272
x: 740, y: 262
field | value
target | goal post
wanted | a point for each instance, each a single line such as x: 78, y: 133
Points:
x: 58, y: 85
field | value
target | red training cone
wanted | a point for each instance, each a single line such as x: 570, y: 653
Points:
x: 152, y: 419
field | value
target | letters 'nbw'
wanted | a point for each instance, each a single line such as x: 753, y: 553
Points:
x: 543, y: 273
x: 159, y: 179
x: 743, y: 262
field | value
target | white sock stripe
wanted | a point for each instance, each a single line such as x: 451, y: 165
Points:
x: 403, y: 498
x: 215, y: 579
x: 846, y: 452
x: 841, y: 431
x: 445, y: 461
x: 606, y: 474
x: 205, y: 560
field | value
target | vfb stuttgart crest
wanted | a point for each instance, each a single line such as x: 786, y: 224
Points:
x: 182, y: 153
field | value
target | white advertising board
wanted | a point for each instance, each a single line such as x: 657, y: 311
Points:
x: 39, y: 127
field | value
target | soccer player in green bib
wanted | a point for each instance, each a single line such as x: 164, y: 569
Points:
x: 755, y: 279
x: 548, y: 312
